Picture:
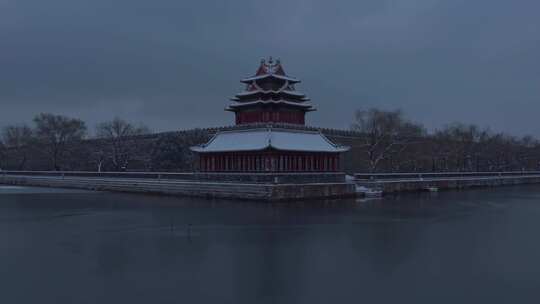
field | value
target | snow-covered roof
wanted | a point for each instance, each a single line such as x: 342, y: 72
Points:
x: 305, y: 105
x: 294, y: 93
x: 259, y: 77
x: 268, y: 138
x: 281, y: 94
x: 270, y: 69
x: 288, y: 92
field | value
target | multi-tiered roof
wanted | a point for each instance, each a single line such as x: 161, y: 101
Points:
x: 270, y: 90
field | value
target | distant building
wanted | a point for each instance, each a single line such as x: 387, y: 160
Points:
x: 263, y: 142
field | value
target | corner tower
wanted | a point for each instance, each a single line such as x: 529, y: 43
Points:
x: 270, y: 96
x: 270, y: 99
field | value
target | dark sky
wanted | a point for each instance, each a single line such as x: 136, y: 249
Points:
x: 172, y: 64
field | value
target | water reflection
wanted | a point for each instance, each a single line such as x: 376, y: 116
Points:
x: 104, y: 247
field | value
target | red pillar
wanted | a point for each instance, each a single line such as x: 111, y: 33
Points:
x: 327, y: 162
x: 290, y: 163
x: 267, y: 162
x: 221, y: 162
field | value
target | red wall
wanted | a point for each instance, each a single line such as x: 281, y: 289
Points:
x: 270, y: 162
x: 296, y: 117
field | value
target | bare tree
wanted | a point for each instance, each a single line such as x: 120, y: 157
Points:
x: 386, y: 134
x: 3, y: 153
x: 119, y: 135
x: 18, y: 138
x: 461, y: 145
x: 502, y: 152
x: 528, y: 152
x: 172, y: 150
x: 99, y: 158
x: 56, y: 132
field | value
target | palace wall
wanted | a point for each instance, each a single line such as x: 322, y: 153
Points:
x: 169, y: 152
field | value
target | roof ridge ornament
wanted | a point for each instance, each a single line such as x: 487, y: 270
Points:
x: 271, y: 66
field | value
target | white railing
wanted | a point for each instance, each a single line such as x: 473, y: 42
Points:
x: 440, y: 175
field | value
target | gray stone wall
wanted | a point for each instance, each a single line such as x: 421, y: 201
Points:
x: 166, y: 151
x: 258, y: 178
x: 169, y: 151
x: 256, y: 192
x: 397, y: 186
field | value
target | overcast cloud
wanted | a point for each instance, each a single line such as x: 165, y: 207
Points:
x: 173, y: 64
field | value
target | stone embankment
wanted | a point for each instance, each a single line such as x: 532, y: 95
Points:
x: 263, y: 187
x: 266, y: 187
x: 409, y: 182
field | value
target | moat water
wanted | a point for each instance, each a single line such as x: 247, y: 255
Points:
x: 475, y: 246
